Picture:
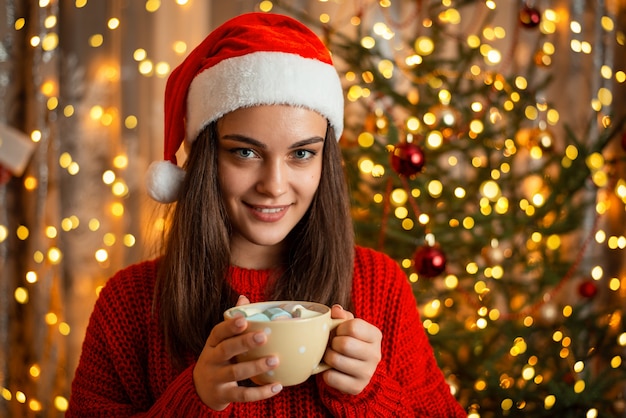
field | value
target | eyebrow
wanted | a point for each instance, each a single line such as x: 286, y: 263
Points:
x: 259, y: 144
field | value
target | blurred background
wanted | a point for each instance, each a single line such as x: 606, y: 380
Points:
x: 485, y: 146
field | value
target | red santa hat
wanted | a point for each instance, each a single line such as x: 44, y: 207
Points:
x: 252, y: 59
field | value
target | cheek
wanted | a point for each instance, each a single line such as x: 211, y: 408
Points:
x: 310, y: 184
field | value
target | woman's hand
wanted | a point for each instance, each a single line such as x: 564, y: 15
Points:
x: 215, y: 375
x: 354, y: 353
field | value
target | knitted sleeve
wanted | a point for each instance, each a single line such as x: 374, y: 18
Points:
x: 112, y: 378
x: 407, y: 381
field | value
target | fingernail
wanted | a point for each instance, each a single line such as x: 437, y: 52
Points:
x: 259, y: 338
x: 242, y: 296
x: 272, y: 361
x: 277, y: 388
x: 338, y: 306
x: 240, y: 321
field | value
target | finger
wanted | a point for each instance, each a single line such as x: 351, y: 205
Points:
x: 350, y: 347
x: 337, y: 312
x: 224, y: 395
x: 347, y: 364
x: 228, y: 348
x: 226, y: 329
x: 361, y: 330
x: 243, y: 300
x: 237, y: 372
x: 252, y: 394
x: 343, y: 382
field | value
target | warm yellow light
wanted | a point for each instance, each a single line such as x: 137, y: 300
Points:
x: 490, y: 189
x: 476, y: 126
x: 153, y: 5
x: 471, y: 268
x: 113, y: 23
x: 435, y: 188
x: 120, y: 161
x: 480, y: 385
x: 424, y: 45
x: 4, y: 233
x: 579, y: 386
x: 96, y: 40
x: 48, y: 88
x: 266, y: 6
x: 54, y: 255
x: 34, y: 370
x: 579, y: 366
x: 385, y: 68
x: 434, y: 139
x: 129, y: 240
x: 399, y: 196
x: 34, y: 405
x: 120, y: 189
x: 162, y: 69
x: 19, y: 23
x: 31, y: 277
x: 146, y: 67
x: 451, y: 281
x: 73, y: 168
x: 64, y: 328
x: 368, y: 42
x: 51, y: 318
x: 21, y: 295
x: 61, y: 403
x: 528, y: 372
x: 51, y: 232
x: 432, y: 308
x: 117, y: 209
x: 616, y: 362
x: 493, y: 57
x: 101, y: 255
x: 22, y: 232
x: 108, y: 177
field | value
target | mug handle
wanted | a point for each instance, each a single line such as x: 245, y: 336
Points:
x: 322, y: 367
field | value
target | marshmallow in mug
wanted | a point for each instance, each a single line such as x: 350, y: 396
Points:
x: 281, y: 312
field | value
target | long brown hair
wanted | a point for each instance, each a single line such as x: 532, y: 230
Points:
x: 192, y: 288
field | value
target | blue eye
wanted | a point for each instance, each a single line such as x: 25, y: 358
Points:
x: 303, y: 154
x: 244, y: 153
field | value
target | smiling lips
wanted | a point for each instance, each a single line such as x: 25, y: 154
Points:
x: 268, y: 213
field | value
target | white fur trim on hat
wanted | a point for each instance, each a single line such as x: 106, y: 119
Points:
x: 163, y: 181
x: 264, y: 78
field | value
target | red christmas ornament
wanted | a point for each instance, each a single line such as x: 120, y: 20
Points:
x: 429, y: 261
x: 407, y: 159
x: 529, y: 17
x: 587, y: 289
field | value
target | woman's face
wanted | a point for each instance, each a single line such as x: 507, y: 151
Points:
x: 269, y: 168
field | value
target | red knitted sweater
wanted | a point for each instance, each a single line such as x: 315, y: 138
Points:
x: 124, y: 369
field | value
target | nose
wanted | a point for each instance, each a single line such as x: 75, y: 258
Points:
x: 274, y: 178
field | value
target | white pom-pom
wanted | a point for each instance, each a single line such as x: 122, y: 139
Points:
x: 163, y: 181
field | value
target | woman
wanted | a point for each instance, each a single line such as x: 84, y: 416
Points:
x: 261, y: 214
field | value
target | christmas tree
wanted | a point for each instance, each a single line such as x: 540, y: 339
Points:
x: 504, y: 203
